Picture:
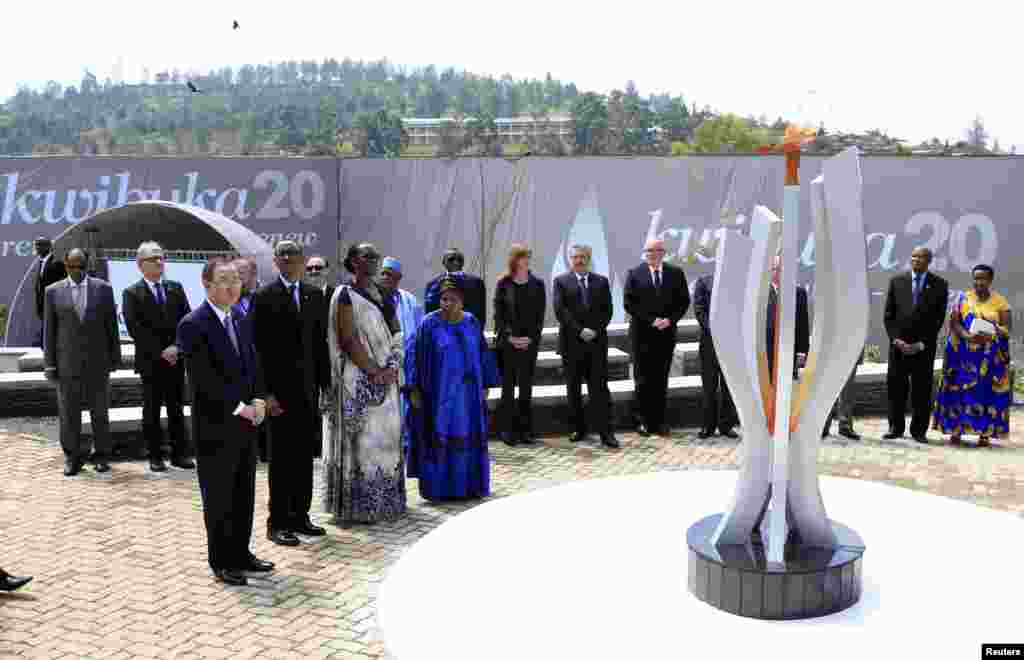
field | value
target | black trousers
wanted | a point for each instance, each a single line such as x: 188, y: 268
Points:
x: 915, y: 373
x: 290, y: 471
x: 651, y: 366
x: 227, y: 481
x: 517, y: 369
x: 588, y: 362
x: 164, y: 386
x: 719, y: 409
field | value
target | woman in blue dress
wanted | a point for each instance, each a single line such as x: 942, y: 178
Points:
x: 448, y: 451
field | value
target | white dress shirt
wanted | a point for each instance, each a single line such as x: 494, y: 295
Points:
x: 658, y: 270
x: 84, y: 293
x: 222, y: 316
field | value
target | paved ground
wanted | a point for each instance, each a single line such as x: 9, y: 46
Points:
x: 120, y: 564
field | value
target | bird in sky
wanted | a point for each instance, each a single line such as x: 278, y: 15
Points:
x: 235, y: 26
x: 192, y: 88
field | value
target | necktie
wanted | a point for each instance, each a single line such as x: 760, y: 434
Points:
x: 917, y: 285
x: 76, y: 294
x: 585, y: 291
x: 160, y: 300
x: 230, y: 327
x: 295, y: 295
x: 657, y: 279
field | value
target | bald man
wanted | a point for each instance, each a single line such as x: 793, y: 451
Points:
x: 656, y: 296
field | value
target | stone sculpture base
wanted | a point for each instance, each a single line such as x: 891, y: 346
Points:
x: 737, y: 579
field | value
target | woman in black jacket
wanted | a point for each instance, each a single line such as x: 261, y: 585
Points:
x: 519, y: 304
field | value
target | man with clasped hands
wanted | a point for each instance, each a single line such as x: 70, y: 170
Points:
x: 583, y: 305
x: 227, y: 386
x: 915, y: 309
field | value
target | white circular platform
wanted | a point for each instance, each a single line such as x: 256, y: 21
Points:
x: 597, y: 569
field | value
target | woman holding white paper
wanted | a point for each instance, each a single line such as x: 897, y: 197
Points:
x: 975, y: 395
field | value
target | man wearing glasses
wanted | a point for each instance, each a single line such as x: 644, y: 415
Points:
x: 290, y: 331
x: 656, y: 296
x: 152, y: 308
x: 316, y: 275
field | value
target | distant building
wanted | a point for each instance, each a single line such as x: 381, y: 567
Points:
x: 511, y: 130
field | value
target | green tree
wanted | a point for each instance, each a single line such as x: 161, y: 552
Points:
x: 590, y: 118
x: 729, y: 132
x: 482, y: 132
x: 323, y: 139
x: 381, y: 134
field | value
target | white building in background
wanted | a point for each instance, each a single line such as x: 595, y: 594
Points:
x: 511, y: 130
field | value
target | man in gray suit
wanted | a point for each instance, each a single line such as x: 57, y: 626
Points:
x: 80, y: 348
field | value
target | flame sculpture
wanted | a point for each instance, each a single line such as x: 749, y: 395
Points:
x: 777, y: 491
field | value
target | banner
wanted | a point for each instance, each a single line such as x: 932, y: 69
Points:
x: 965, y: 210
x: 123, y: 274
x: 277, y: 198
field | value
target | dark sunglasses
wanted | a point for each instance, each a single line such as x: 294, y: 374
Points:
x: 314, y: 269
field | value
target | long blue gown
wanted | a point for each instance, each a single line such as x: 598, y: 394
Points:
x: 448, y: 452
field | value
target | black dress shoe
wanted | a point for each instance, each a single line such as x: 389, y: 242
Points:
x: 71, y: 467
x: 849, y: 433
x: 642, y: 429
x: 101, y: 466
x: 231, y: 576
x: 921, y: 438
x: 608, y: 440
x: 658, y: 430
x: 509, y: 439
x: 704, y: 434
x: 892, y: 436
x: 282, y: 537
x: 827, y: 432
x: 527, y: 438
x: 579, y: 436
x: 307, y: 528
x: 12, y: 582
x: 157, y: 465
x: 184, y: 463
x: 729, y: 433
x: 259, y: 566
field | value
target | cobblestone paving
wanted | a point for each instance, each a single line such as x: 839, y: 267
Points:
x: 120, y: 562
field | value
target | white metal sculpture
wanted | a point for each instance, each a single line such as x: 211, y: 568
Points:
x: 777, y: 492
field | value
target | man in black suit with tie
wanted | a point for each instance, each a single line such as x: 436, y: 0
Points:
x: 474, y: 287
x: 583, y: 305
x: 248, y: 271
x: 915, y: 309
x: 802, y: 324
x: 227, y: 405
x: 316, y: 275
x: 290, y: 331
x: 719, y: 410
x: 48, y: 270
x: 152, y: 308
x: 656, y: 296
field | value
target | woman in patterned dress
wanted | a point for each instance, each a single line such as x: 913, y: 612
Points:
x: 363, y: 463
x: 975, y: 395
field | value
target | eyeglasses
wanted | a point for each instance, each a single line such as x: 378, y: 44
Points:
x: 154, y: 259
x: 314, y: 269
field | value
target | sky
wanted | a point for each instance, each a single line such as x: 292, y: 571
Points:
x: 910, y: 68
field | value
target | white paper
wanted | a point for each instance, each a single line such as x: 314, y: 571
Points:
x: 982, y: 327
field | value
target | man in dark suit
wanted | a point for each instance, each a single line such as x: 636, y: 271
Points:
x: 802, y: 324
x: 152, y: 308
x: 583, y: 306
x: 474, y: 287
x: 248, y: 271
x: 719, y: 410
x: 290, y: 332
x: 227, y: 405
x: 316, y: 275
x: 80, y: 348
x: 249, y: 274
x: 48, y: 270
x: 656, y: 296
x: 842, y: 409
x: 915, y: 309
